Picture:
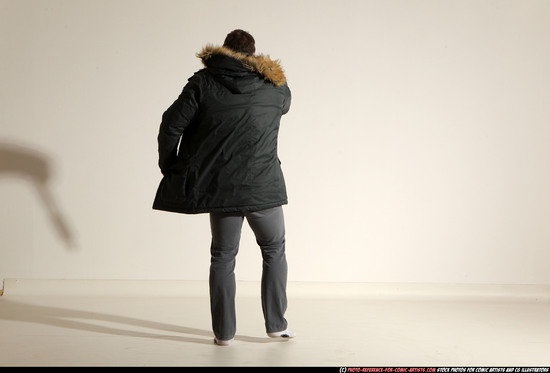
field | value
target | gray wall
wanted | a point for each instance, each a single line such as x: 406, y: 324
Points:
x: 416, y: 149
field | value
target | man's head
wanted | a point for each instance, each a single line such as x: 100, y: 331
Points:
x: 240, y: 41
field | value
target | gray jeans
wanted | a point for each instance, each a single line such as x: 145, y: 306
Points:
x: 269, y: 228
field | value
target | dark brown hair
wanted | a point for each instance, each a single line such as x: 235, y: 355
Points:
x: 240, y: 41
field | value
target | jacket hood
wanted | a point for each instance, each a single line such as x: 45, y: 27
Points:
x: 271, y: 70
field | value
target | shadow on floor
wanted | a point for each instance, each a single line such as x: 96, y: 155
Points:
x: 13, y: 310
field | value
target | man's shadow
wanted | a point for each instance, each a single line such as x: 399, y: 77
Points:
x: 36, y: 167
x: 14, y: 310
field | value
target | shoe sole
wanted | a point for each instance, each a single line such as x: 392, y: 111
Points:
x: 283, y: 335
x: 223, y: 342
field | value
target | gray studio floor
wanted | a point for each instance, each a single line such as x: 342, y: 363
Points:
x: 334, y: 326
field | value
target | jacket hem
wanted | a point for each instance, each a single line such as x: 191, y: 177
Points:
x: 184, y: 210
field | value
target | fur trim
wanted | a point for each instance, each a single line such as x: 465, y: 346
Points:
x: 270, y: 69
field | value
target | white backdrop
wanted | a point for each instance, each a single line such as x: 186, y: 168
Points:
x: 416, y: 148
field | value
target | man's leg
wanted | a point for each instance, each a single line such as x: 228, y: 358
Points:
x: 269, y: 229
x: 226, y: 234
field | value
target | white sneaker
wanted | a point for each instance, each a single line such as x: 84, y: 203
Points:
x: 223, y: 342
x: 287, y: 333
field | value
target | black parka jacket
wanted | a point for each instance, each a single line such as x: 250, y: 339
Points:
x: 217, y: 142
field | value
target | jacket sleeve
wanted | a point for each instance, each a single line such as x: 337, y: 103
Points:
x: 174, y: 121
x: 286, y: 102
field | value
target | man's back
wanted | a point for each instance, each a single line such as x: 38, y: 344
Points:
x: 228, y: 117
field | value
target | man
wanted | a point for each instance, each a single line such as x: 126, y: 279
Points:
x: 217, y: 148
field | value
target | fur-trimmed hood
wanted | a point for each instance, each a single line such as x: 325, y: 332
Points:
x: 270, y: 69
